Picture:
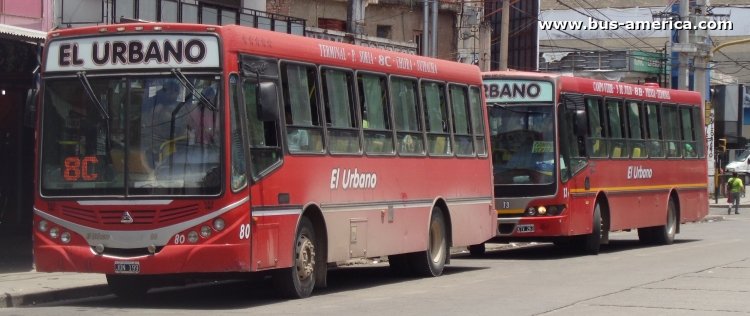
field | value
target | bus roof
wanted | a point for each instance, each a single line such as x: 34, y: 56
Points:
x: 572, y: 84
x: 242, y: 39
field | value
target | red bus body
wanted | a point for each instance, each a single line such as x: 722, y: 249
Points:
x: 632, y: 191
x: 361, y: 206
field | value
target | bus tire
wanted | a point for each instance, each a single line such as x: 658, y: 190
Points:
x: 298, y: 281
x: 661, y: 235
x: 477, y: 250
x: 128, y: 287
x: 431, y: 262
x: 591, y: 243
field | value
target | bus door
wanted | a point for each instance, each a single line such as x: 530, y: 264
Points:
x: 261, y: 149
x: 575, y: 168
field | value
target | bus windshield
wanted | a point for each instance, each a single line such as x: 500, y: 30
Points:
x: 147, y: 135
x: 523, y: 144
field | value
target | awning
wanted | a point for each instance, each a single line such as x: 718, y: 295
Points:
x: 21, y: 34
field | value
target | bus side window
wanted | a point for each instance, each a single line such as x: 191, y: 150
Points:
x: 338, y: 98
x: 376, y: 123
x: 616, y: 127
x: 304, y: 132
x: 406, y: 116
x: 672, y: 135
x: 436, y: 118
x: 655, y: 144
x: 477, y: 123
x: 461, y: 125
x: 688, y: 133
x: 596, y: 145
x: 635, y: 138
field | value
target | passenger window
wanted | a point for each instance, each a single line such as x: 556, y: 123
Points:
x: 636, y: 144
x: 343, y: 132
x: 436, y: 118
x: 688, y: 133
x: 616, y: 126
x: 672, y: 133
x: 376, y: 124
x: 477, y: 122
x: 461, y: 126
x: 406, y: 115
x: 304, y: 132
x: 596, y: 144
x: 655, y: 144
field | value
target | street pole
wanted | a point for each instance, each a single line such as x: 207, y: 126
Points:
x: 426, y: 28
x: 504, y: 25
x: 682, y: 79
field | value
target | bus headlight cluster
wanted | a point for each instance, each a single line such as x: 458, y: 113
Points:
x: 54, y: 232
x: 544, y: 210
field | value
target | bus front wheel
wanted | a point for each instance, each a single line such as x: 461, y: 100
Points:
x: 591, y: 243
x: 298, y: 281
x: 431, y: 262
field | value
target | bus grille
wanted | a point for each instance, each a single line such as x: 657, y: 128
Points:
x: 110, y: 217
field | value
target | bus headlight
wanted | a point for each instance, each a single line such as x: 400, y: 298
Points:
x: 218, y: 224
x: 193, y: 237
x: 65, y: 237
x: 205, y: 231
x: 43, y: 225
x: 531, y: 211
x: 542, y: 210
x: 54, y: 233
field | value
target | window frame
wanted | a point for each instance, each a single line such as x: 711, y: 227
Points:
x: 317, y: 115
x: 388, y: 114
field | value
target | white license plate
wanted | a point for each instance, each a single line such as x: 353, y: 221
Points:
x: 526, y: 228
x: 127, y: 267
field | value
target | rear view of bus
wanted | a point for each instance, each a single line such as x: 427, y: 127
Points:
x: 575, y: 159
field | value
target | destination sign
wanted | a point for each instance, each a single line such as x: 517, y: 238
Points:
x: 133, y: 52
x: 514, y: 91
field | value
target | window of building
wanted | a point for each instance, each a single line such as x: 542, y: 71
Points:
x: 384, y: 31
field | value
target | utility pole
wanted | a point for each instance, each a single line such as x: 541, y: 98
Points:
x: 426, y: 28
x: 684, y: 47
x: 433, y: 49
x: 504, y: 25
x: 355, y: 16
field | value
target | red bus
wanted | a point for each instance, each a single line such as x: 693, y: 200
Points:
x: 575, y: 159
x: 177, y: 150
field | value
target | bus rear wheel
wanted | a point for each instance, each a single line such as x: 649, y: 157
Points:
x: 128, y: 287
x: 661, y: 235
x: 298, y: 281
x: 431, y: 262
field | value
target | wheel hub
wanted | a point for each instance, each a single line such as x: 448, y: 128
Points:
x: 305, y: 262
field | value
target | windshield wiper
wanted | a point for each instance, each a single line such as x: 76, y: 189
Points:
x: 90, y: 92
x: 187, y: 84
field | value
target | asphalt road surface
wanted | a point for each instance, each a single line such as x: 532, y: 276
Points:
x: 705, y: 272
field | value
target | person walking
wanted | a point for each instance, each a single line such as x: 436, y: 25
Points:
x: 735, y: 188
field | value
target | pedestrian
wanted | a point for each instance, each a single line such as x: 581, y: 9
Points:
x: 735, y: 188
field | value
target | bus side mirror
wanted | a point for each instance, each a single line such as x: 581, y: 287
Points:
x: 30, y: 107
x: 268, y: 109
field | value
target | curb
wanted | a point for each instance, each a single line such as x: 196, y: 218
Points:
x: 28, y: 299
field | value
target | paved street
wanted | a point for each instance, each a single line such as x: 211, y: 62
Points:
x: 706, y: 272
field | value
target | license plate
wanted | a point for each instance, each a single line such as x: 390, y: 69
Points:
x: 127, y: 267
x: 527, y: 228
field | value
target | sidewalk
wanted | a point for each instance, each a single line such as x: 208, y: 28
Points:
x: 21, y: 285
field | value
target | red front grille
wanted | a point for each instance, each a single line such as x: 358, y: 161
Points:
x: 158, y: 216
